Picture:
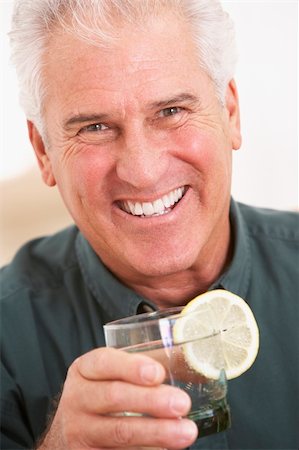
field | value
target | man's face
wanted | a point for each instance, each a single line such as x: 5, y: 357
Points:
x: 140, y: 148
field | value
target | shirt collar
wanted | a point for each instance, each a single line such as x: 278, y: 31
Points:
x: 115, y: 299
x: 118, y: 301
x: 237, y: 276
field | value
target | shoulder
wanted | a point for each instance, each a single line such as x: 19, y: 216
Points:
x: 272, y: 238
x: 40, y: 263
x: 270, y: 224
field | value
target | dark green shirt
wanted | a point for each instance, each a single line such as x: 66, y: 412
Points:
x: 56, y: 295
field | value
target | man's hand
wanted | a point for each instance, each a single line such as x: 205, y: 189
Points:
x: 104, y: 383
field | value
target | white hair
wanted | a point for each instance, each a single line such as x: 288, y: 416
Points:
x: 34, y: 21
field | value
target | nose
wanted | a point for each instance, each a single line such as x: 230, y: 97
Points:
x: 142, y: 160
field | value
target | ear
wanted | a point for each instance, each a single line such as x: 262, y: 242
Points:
x: 232, y: 107
x: 41, y: 154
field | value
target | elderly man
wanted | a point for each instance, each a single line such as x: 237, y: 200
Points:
x: 133, y: 113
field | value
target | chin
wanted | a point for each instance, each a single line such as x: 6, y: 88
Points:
x: 164, y: 265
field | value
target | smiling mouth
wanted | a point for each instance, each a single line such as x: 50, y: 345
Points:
x: 159, y: 207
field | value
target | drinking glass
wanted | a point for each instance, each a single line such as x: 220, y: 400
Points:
x: 155, y: 334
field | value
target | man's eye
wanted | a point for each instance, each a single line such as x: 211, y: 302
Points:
x: 97, y: 133
x: 166, y: 112
x: 95, y: 127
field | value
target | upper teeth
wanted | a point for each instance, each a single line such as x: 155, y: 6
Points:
x: 160, y: 206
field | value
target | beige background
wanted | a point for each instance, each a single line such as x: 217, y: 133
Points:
x: 29, y: 209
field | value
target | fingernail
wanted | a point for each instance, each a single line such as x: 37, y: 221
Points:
x: 150, y: 373
x: 180, y: 404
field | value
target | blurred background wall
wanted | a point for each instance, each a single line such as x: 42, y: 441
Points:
x: 265, y: 169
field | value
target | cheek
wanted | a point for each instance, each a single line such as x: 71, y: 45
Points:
x: 201, y: 150
x: 209, y: 156
x: 85, y: 171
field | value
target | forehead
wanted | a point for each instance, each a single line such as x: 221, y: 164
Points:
x: 146, y: 61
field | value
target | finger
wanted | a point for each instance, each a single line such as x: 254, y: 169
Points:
x: 110, y: 397
x: 111, y: 364
x: 139, y: 432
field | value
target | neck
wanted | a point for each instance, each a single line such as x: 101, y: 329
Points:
x: 178, y: 288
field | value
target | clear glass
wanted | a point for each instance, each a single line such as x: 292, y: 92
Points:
x: 154, y: 334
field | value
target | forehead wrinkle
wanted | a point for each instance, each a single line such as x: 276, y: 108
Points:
x: 128, y: 80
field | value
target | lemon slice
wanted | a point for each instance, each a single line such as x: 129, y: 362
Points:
x: 223, y: 316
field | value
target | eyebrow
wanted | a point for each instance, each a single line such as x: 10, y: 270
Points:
x: 184, y: 97
x: 84, y: 118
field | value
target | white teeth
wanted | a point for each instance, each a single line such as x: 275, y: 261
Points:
x: 131, y: 207
x: 166, y: 201
x: 172, y: 199
x: 148, y: 209
x: 176, y: 195
x: 158, y: 207
x: 138, y: 209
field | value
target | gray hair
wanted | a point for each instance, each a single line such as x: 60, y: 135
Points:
x: 94, y: 20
